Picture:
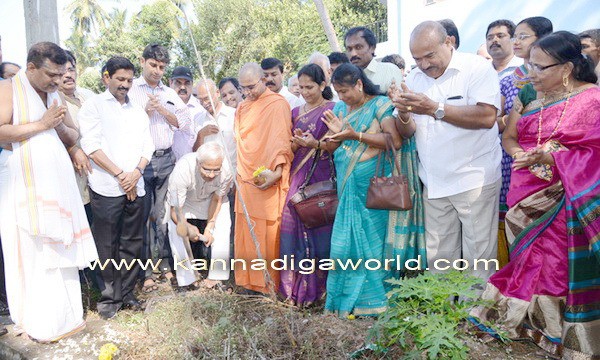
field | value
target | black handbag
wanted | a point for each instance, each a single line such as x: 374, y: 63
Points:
x: 390, y: 193
x: 317, y: 203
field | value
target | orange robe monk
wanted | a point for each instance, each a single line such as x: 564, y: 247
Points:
x: 263, y: 135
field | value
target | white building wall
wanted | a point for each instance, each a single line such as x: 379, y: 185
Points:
x: 473, y: 16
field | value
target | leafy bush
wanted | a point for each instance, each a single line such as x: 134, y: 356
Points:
x: 425, y: 315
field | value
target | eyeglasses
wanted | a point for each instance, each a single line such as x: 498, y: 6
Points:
x: 249, y: 87
x: 538, y: 68
x: 520, y: 37
x: 211, y: 171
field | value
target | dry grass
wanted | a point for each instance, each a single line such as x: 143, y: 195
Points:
x: 217, y: 325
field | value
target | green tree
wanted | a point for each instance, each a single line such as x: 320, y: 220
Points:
x: 116, y: 39
x: 80, y: 47
x: 87, y: 16
x: 158, y: 22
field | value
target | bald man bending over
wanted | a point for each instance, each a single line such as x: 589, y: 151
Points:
x: 449, y: 104
x: 216, y: 125
x: 263, y: 136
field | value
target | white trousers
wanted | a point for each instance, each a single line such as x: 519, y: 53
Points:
x: 220, y: 250
x: 463, y: 226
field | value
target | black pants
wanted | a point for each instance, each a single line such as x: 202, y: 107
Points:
x: 118, y: 231
x: 199, y: 248
x: 3, y: 298
x: 156, y: 241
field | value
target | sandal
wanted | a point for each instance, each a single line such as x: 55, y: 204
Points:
x: 210, y: 284
x: 146, y: 289
x: 174, y: 283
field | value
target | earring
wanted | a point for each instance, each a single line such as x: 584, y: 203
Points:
x: 360, y: 89
x: 565, y: 81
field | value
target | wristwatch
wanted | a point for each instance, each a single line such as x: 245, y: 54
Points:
x: 140, y: 170
x: 439, y: 113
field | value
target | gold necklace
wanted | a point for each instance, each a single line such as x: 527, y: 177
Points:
x: 540, y: 119
x: 306, y: 110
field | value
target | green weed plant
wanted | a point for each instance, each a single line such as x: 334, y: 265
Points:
x: 427, y: 315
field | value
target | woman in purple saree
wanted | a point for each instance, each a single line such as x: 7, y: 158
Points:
x: 550, y: 289
x: 299, y: 287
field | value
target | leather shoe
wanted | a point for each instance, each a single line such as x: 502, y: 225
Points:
x: 132, y: 304
x: 4, y: 309
x: 107, y: 314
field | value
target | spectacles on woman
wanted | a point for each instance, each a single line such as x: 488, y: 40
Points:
x: 538, y: 68
x: 520, y: 37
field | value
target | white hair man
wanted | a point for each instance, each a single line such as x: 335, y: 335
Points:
x: 198, y: 186
x: 217, y: 126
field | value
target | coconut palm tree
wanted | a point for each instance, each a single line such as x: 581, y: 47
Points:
x: 87, y: 16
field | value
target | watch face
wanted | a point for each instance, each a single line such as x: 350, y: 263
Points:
x: 439, y: 114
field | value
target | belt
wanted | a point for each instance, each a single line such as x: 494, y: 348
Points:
x: 162, y: 152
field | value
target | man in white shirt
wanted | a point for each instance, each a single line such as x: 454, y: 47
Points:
x: 167, y: 112
x: 199, y: 185
x: 360, y: 46
x: 273, y: 78
x: 182, y: 82
x: 217, y: 126
x: 116, y: 136
x: 499, y: 46
x: 449, y: 103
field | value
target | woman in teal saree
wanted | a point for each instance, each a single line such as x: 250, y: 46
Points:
x: 359, y: 123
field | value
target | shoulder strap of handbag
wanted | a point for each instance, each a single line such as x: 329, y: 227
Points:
x: 389, y: 146
x: 332, y: 176
x: 307, y: 157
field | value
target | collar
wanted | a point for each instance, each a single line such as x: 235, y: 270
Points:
x: 141, y: 81
x: 106, y: 95
x: 373, y: 66
x: 456, y: 62
x: 193, y: 102
x: 284, y: 91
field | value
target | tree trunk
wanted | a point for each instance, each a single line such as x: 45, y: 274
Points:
x: 41, y: 21
x: 327, y: 25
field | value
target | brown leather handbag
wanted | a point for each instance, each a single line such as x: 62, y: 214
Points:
x: 317, y: 203
x: 389, y: 193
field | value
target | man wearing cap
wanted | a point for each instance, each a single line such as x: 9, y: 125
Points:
x: 182, y: 82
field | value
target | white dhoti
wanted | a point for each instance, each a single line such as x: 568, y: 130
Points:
x: 184, y: 271
x: 45, y: 235
x: 220, y: 251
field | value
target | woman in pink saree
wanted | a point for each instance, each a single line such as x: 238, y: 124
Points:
x: 550, y: 290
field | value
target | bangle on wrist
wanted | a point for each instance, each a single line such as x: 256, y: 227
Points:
x: 402, y: 121
x: 503, y: 120
x: 71, y: 148
x: 117, y: 175
x: 360, y: 136
x: 318, y: 144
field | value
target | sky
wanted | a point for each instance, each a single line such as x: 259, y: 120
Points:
x: 12, y: 28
